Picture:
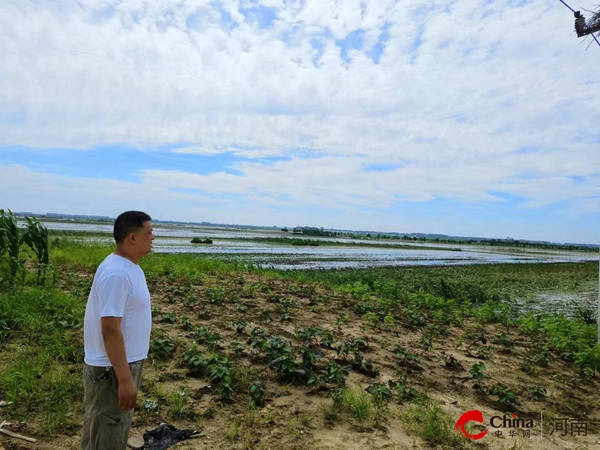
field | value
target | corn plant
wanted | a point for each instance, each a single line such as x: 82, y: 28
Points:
x: 35, y: 237
x: 10, y: 241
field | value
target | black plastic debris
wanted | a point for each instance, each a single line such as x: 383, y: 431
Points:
x: 164, y: 436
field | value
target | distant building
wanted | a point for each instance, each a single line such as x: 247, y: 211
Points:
x: 297, y: 230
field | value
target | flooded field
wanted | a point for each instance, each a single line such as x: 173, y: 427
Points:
x: 332, y: 253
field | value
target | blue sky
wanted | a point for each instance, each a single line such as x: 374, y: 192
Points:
x: 459, y: 117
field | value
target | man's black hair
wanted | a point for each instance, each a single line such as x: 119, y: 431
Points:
x: 129, y: 222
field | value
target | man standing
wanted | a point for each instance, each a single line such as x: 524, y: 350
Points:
x: 117, y: 326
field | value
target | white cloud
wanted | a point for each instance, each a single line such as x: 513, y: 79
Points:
x: 331, y: 192
x: 469, y: 96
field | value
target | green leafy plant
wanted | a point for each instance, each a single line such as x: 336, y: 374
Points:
x: 402, y: 390
x: 415, y: 319
x: 405, y: 358
x: 588, y: 359
x: 371, y: 318
x: 206, y: 336
x: 334, y: 374
x: 219, y: 370
x: 427, y: 343
x: 186, y: 324
x: 240, y: 326
x: 236, y: 346
x: 380, y: 392
x: 308, y: 357
x: 257, y: 394
x: 354, y: 346
x: 309, y: 336
x: 327, y: 339
x: 505, y: 396
x: 168, y: 318
x: 195, y: 361
x: 342, y: 319
x: 284, y: 363
x: 477, y: 372
x: 216, y: 295
x: 541, y: 359
x: 162, y: 347
x: 265, y: 315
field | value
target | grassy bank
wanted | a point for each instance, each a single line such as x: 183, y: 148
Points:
x: 475, y: 283
x: 266, y: 359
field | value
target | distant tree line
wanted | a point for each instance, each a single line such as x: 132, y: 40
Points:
x: 314, y: 231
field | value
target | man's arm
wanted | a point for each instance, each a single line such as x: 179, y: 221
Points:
x: 115, y: 350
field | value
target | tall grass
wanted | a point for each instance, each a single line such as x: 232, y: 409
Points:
x: 433, y: 425
x: 79, y: 255
x: 359, y: 402
x: 87, y: 256
x: 46, y: 324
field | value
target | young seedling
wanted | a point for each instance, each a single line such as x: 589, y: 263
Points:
x: 380, y: 393
x: 477, y: 373
x: 405, y: 358
x: 403, y: 391
x: 505, y: 396
x: 257, y: 394
x: 186, y: 324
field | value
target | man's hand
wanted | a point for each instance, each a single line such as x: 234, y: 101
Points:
x: 127, y: 394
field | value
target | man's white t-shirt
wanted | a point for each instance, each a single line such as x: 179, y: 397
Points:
x: 119, y: 290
